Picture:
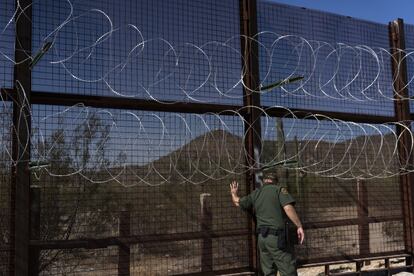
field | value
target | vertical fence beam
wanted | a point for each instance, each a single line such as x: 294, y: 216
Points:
x: 20, y: 176
x: 387, y: 266
x: 206, y: 226
x: 250, y: 67
x: 402, y: 114
x: 34, y: 229
x: 327, y: 271
x: 363, y: 225
x: 358, y: 267
x: 124, y: 251
x: 409, y: 261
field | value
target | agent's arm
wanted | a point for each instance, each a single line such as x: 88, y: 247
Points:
x: 234, y: 188
x: 293, y: 216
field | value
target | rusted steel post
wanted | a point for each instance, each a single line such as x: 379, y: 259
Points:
x: 358, y: 267
x: 20, y: 176
x: 387, y: 266
x: 251, y: 99
x: 363, y: 224
x: 327, y: 271
x: 409, y: 261
x: 402, y: 114
x: 34, y: 228
x: 206, y: 226
x: 124, y: 252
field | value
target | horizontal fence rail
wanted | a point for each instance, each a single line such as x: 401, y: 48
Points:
x: 63, y: 99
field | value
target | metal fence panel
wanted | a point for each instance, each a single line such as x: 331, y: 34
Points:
x: 409, y: 44
x: 343, y: 216
x: 156, y: 165
x: 188, y: 48
x: 146, y: 192
x: 332, y: 52
x: 7, y: 44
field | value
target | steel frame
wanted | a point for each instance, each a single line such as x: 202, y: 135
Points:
x: 22, y: 98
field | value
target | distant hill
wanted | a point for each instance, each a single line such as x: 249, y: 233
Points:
x: 218, y: 153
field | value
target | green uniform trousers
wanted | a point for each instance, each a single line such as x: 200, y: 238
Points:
x: 273, y: 259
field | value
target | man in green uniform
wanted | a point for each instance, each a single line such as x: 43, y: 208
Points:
x: 271, y: 203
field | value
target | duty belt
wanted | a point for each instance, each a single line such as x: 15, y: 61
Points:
x: 265, y: 231
x: 282, y: 237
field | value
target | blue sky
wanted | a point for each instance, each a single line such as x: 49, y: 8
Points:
x: 381, y: 11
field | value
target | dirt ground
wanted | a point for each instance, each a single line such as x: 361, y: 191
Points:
x: 350, y: 267
x: 176, y: 265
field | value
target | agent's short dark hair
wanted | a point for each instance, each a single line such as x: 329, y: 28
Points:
x: 271, y: 175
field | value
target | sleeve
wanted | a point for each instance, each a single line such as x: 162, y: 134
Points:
x: 285, y: 198
x: 246, y: 202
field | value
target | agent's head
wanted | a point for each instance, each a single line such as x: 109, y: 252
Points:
x: 270, y: 178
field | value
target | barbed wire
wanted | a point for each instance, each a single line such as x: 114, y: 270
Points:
x: 209, y: 147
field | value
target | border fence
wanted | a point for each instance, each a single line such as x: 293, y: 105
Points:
x: 64, y: 224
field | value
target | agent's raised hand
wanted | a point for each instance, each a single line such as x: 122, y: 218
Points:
x: 234, y: 187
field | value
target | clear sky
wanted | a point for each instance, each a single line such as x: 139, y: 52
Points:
x: 381, y: 11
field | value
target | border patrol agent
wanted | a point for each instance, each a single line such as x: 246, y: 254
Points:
x: 271, y: 203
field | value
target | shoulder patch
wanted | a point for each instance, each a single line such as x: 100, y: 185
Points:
x: 284, y: 191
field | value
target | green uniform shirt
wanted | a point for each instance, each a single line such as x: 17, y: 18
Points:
x: 268, y: 202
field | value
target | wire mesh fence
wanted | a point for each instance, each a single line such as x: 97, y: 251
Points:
x: 144, y: 190
x: 153, y: 47
x: 90, y: 206
x: 324, y: 47
x: 7, y: 45
x: 331, y: 207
